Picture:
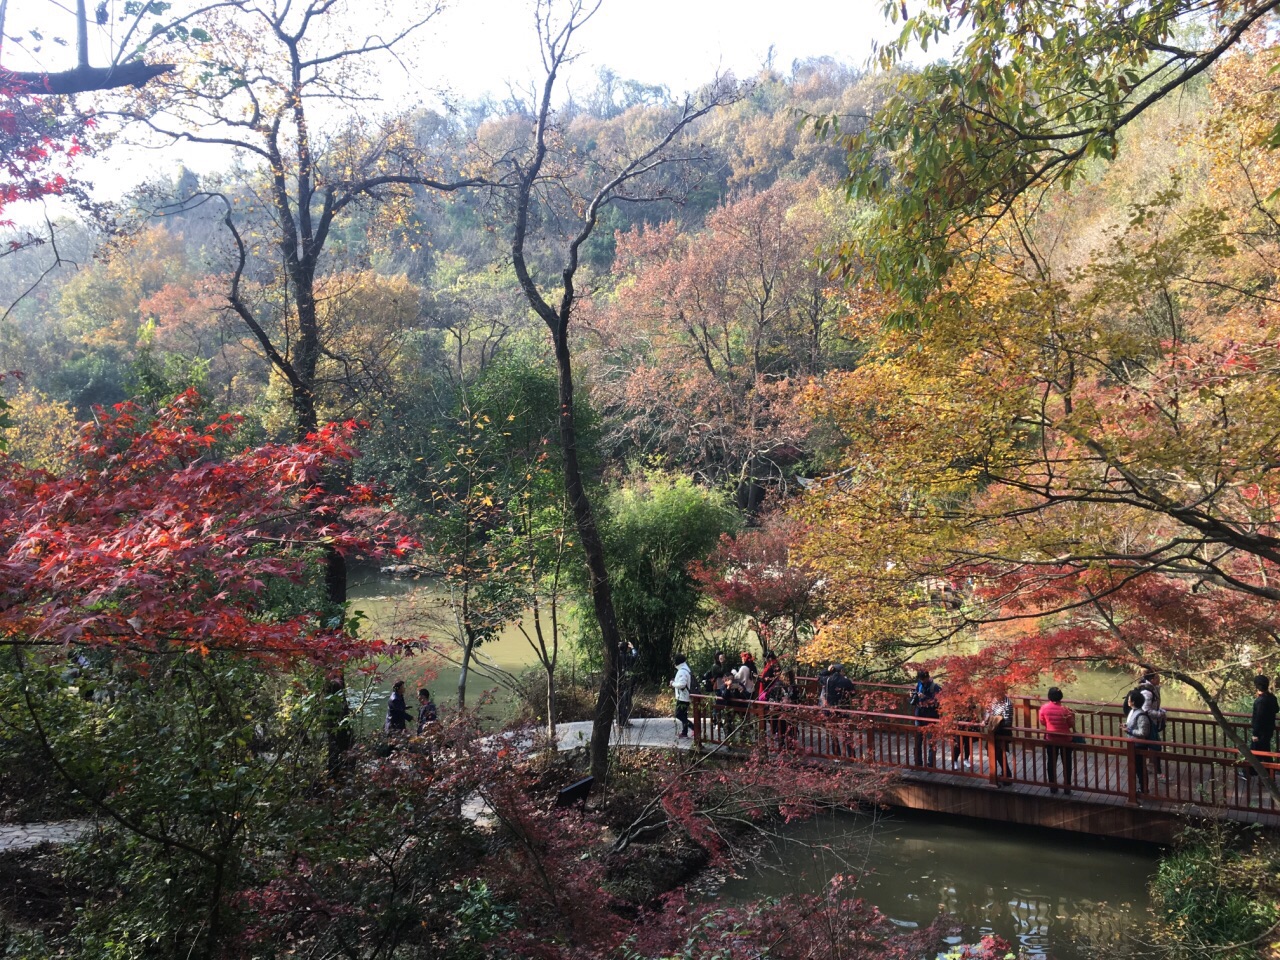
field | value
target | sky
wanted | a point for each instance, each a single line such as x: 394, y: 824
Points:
x: 478, y: 47
x: 679, y: 43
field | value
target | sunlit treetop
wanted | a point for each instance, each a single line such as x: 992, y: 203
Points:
x: 1035, y: 91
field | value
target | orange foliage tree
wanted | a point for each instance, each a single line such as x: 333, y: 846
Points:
x: 1093, y: 450
x: 718, y: 330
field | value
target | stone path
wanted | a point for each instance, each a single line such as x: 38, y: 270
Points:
x: 641, y: 732
x: 23, y: 836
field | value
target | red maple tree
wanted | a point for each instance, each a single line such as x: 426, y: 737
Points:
x: 159, y: 539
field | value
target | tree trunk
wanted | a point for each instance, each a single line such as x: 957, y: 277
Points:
x: 462, y: 677
x: 593, y: 553
x: 551, y: 705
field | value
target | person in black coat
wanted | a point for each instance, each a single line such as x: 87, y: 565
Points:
x: 720, y: 668
x: 1262, y: 724
x: 397, y: 710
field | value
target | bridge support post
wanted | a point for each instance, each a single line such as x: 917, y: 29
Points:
x: 1130, y: 752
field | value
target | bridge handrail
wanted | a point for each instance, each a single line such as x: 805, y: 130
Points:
x: 1200, y: 773
x: 964, y: 727
x: 904, y: 689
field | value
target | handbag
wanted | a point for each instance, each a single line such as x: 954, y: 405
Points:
x: 992, y: 724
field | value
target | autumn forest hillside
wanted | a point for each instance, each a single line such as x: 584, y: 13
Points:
x: 967, y: 364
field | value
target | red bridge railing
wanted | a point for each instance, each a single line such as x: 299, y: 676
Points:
x: 1193, y: 765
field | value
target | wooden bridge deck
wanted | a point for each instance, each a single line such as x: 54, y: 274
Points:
x: 1192, y: 773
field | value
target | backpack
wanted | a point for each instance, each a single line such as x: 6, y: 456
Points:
x: 1143, y: 727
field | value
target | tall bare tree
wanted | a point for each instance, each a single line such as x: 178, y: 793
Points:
x: 261, y: 77
x: 559, y: 194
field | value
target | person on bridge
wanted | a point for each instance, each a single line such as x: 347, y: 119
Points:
x: 720, y: 668
x: 924, y: 701
x: 840, y: 692
x: 785, y: 690
x: 746, y: 674
x: 839, y: 687
x: 1059, y: 724
x: 1262, y: 724
x: 999, y: 720
x: 682, y: 683
x: 1140, y: 726
x: 1150, y: 690
x: 770, y: 674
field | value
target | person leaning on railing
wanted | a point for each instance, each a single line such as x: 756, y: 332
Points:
x: 999, y: 723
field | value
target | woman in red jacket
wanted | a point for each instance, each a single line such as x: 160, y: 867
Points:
x: 1059, y: 724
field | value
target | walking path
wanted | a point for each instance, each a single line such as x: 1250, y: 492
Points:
x: 23, y: 836
x: 640, y: 732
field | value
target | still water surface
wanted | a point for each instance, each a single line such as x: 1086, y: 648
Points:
x: 411, y: 608
x: 1054, y: 895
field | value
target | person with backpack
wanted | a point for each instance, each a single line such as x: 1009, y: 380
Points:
x: 1141, y: 728
x: 840, y: 688
x: 1149, y: 687
x: 823, y: 676
x: 924, y: 702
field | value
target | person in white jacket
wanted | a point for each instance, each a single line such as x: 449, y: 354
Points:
x: 683, y: 684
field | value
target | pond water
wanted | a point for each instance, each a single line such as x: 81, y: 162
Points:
x: 411, y: 608
x: 1054, y: 895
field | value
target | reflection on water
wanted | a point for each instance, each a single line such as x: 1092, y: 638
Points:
x: 1054, y: 895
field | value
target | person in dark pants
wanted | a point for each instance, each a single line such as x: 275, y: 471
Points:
x: 682, y: 684
x: 924, y: 700
x: 1149, y: 687
x: 426, y: 711
x: 1059, y: 724
x: 840, y: 692
x: 397, y: 710
x: 1141, y: 728
x: 1001, y: 709
x: 1262, y: 724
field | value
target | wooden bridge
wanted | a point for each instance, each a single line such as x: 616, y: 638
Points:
x: 1195, y: 772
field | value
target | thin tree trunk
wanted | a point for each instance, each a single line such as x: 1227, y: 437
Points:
x: 551, y: 704
x: 462, y: 677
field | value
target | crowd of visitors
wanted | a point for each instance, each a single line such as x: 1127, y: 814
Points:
x: 1142, y: 718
